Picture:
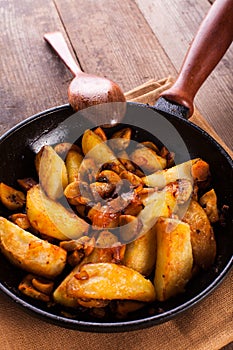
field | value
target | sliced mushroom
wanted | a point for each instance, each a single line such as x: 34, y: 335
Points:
x: 21, y: 220
x: 11, y: 198
x: 209, y: 203
x: 26, y: 183
x: 101, y: 190
x: 27, y: 287
x: 78, y: 192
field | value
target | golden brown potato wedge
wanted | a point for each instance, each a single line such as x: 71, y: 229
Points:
x: 104, y: 281
x: 95, y: 148
x: 140, y: 254
x: 11, y: 198
x: 29, y: 252
x: 181, y: 189
x: 52, y: 173
x: 51, y: 218
x: 163, y: 206
x: 202, y: 235
x: 73, y: 162
x: 129, y: 228
x: 147, y: 159
x: 100, y: 132
x: 174, y: 258
x: 162, y: 178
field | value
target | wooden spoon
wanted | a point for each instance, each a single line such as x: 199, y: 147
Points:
x: 85, y: 90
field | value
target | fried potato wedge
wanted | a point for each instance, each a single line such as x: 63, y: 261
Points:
x: 73, y: 161
x: 94, y: 147
x: 52, y: 173
x: 163, y: 206
x: 147, y: 159
x: 104, y: 281
x: 29, y: 252
x: 163, y: 177
x: 140, y: 254
x: 51, y: 218
x: 174, y: 258
x: 202, y: 235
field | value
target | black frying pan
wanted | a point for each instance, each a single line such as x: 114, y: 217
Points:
x: 60, y: 124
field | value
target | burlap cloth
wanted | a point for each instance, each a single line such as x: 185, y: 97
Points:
x: 208, y: 325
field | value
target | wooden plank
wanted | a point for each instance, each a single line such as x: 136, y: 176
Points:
x: 32, y: 77
x: 111, y: 38
x: 178, y: 21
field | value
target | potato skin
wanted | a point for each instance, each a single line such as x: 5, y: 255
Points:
x: 73, y: 162
x: 148, y: 160
x: 202, y: 235
x: 163, y: 206
x: 29, y: 252
x: 163, y: 177
x: 174, y: 258
x: 140, y: 254
x: 52, y: 173
x: 105, y: 281
x: 51, y: 218
x: 94, y: 147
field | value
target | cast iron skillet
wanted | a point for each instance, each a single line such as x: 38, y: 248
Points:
x: 59, y: 124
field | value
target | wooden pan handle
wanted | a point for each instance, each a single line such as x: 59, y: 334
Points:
x: 58, y: 43
x: 208, y: 47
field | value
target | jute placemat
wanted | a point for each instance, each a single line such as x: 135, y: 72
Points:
x: 207, y: 326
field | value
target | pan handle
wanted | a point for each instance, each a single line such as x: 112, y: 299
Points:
x: 208, y: 47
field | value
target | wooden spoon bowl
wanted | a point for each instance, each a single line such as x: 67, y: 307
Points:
x: 85, y: 89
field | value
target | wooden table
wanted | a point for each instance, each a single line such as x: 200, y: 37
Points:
x: 127, y: 41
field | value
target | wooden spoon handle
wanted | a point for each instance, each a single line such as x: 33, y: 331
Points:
x: 58, y: 43
x: 209, y: 45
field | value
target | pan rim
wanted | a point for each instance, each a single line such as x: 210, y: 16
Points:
x: 68, y: 107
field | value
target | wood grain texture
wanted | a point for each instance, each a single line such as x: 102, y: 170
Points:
x: 178, y: 21
x: 111, y: 38
x: 30, y: 72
